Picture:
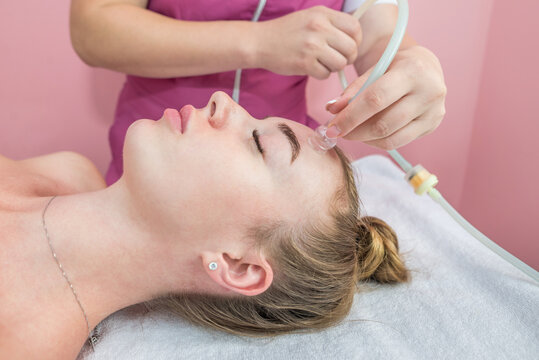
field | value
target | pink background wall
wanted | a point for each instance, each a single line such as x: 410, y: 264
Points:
x: 51, y: 101
x: 500, y: 194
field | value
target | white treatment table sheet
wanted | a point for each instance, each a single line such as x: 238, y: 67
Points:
x: 464, y: 302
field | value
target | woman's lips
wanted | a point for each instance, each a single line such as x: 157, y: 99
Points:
x: 185, y: 114
x: 174, y: 119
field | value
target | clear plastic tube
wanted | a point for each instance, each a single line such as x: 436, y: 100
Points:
x: 391, y: 49
x: 437, y: 196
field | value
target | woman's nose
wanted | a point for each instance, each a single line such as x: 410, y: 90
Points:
x: 220, y: 108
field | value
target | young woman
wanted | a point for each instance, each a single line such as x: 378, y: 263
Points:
x: 232, y: 222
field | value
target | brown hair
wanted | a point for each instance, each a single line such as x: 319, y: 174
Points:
x: 317, y: 270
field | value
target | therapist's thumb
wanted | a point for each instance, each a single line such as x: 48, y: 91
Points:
x: 338, y: 104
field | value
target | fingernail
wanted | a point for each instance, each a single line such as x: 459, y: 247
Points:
x: 330, y: 102
x: 333, y: 131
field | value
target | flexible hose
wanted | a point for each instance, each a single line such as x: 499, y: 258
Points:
x: 391, y: 49
x: 381, y: 67
x: 437, y: 196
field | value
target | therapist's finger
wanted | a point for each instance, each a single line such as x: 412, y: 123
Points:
x: 344, y: 44
x: 382, y: 93
x: 347, y: 24
x: 414, y: 130
x: 319, y: 71
x: 332, y: 59
x: 389, y: 120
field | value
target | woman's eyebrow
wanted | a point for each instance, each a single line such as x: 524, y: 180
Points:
x: 292, y: 139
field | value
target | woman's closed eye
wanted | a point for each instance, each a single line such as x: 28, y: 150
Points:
x: 257, y: 141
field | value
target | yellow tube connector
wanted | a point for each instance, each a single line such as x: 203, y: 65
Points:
x: 421, y: 180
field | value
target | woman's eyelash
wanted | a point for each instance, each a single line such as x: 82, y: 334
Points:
x: 257, y: 141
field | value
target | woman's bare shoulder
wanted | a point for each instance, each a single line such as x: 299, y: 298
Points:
x: 58, y: 173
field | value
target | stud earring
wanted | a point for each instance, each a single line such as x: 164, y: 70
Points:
x: 213, y: 265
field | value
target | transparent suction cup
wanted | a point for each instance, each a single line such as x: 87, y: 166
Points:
x: 320, y: 141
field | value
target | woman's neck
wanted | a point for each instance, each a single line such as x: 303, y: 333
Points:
x: 112, y: 257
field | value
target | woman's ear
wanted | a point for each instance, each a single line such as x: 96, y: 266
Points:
x: 248, y: 275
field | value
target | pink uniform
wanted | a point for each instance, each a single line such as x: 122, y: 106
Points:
x: 262, y: 93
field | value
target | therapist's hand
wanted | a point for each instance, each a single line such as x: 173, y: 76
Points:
x: 314, y: 41
x: 407, y: 102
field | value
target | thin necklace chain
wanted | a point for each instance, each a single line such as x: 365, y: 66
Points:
x: 91, y: 339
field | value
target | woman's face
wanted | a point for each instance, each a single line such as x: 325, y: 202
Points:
x: 225, y: 171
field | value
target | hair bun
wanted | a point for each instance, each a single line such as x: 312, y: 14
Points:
x: 378, y: 252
